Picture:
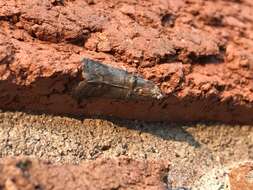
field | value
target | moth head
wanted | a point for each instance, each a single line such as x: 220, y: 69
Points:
x: 147, y: 89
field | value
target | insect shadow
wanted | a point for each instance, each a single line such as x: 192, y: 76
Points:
x: 163, y: 130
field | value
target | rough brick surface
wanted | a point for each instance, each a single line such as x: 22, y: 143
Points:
x: 236, y: 176
x: 107, y: 174
x: 198, y: 52
x: 241, y: 177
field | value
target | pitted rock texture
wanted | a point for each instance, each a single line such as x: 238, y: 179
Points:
x: 241, y: 177
x: 236, y: 176
x: 108, y: 174
x: 198, y: 52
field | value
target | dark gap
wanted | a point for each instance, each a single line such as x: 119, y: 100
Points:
x: 24, y: 165
x: 105, y: 147
x: 7, y: 59
x: 164, y: 106
x: 220, y: 88
x: 33, y: 34
x: 58, y: 2
x: 168, y: 58
x: 195, y: 12
x: 167, y: 78
x: 166, y: 180
x: 205, y: 59
x: 215, y: 21
x: 222, y: 50
x: 80, y: 39
x: 38, y: 187
x: 168, y: 20
x: 234, y: 1
x: 14, y: 18
x: 90, y: 2
x: 131, y: 16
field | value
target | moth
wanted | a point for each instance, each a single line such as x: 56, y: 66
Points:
x: 100, y: 80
